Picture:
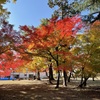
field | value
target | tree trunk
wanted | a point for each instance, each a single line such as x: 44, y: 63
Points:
x: 82, y: 75
x: 69, y: 77
x: 81, y: 79
x: 57, y: 85
x: 51, y: 72
x: 64, y: 78
x: 38, y: 75
x: 46, y: 74
x: 84, y: 83
x: 93, y: 78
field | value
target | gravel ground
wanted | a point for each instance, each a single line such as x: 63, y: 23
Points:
x: 41, y: 90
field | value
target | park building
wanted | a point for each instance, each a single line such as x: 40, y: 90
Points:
x: 30, y: 75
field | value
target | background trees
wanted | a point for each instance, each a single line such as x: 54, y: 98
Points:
x: 2, y: 10
x: 86, y: 49
x: 70, y: 8
x: 64, y: 8
x: 91, y: 7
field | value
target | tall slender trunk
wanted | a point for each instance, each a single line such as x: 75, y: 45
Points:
x: 82, y: 75
x: 64, y: 78
x: 51, y: 72
x: 38, y: 75
x: 57, y: 63
x: 58, y: 78
x: 69, y: 76
x: 46, y: 73
x: 84, y: 83
x: 93, y: 78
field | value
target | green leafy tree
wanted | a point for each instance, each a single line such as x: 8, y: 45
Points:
x: 2, y: 10
x: 64, y: 8
x: 70, y: 8
x: 92, y: 6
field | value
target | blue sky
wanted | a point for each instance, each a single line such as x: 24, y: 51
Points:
x: 28, y: 12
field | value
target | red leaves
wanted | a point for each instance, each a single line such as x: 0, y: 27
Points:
x: 63, y: 68
x: 26, y: 28
x: 7, y: 72
x: 69, y: 26
x: 63, y: 28
x: 54, y: 19
x: 6, y: 67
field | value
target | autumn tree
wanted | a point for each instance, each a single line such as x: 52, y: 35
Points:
x: 87, y: 52
x: 48, y: 60
x: 8, y: 37
x: 9, y: 61
x: 64, y: 9
x: 10, y: 45
x: 50, y: 40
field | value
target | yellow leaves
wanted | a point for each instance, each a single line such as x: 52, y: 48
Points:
x: 30, y: 46
x: 87, y: 47
x: 37, y: 63
x: 75, y: 50
x: 80, y: 37
x: 92, y: 38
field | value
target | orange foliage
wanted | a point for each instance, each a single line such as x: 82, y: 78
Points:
x: 49, y: 35
x: 58, y: 32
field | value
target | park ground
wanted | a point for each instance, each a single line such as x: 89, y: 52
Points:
x: 41, y: 90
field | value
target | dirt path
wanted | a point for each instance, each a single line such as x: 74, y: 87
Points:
x: 40, y: 90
